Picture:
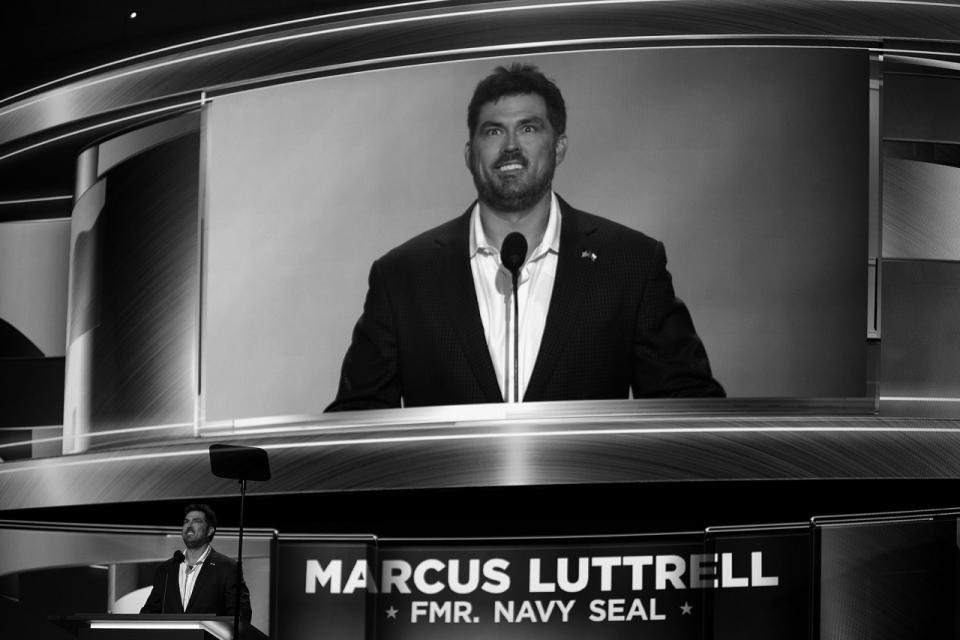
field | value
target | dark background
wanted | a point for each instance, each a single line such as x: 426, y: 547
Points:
x: 551, y: 510
x: 42, y: 41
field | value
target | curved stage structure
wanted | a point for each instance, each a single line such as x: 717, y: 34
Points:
x: 910, y: 47
x: 221, y: 201
x: 500, y: 446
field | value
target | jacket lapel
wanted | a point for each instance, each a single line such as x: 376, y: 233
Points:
x: 205, y: 577
x: 176, y: 597
x: 172, y: 599
x: 572, y: 279
x: 460, y: 298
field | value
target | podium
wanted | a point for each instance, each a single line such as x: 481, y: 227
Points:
x: 157, y: 627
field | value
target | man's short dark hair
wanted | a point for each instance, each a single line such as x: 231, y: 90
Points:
x: 208, y: 514
x: 516, y: 80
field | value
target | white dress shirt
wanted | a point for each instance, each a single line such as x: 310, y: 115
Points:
x: 188, y: 576
x: 494, y: 287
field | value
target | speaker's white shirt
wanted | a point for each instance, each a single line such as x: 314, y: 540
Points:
x: 494, y: 287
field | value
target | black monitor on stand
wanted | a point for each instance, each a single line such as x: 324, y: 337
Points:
x: 239, y: 463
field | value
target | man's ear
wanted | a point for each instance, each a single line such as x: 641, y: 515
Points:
x: 560, y: 145
x: 466, y: 155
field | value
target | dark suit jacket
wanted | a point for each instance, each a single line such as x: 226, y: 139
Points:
x: 214, y: 592
x: 614, y: 324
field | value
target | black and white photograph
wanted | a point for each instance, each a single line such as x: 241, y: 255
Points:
x: 480, y: 319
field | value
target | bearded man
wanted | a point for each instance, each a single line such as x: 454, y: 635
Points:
x: 595, y: 314
x: 198, y: 579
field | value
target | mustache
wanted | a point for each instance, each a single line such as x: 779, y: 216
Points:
x: 510, y: 156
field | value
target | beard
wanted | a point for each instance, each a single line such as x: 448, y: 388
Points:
x: 513, y: 195
x: 193, y: 543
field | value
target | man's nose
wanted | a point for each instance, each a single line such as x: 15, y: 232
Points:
x: 510, y: 140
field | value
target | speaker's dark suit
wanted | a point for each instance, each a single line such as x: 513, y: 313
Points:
x: 613, y: 324
x: 213, y: 593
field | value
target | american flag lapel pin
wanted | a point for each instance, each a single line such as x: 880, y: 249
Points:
x: 590, y: 255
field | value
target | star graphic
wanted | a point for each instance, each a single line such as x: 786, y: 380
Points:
x: 686, y: 608
x: 392, y: 613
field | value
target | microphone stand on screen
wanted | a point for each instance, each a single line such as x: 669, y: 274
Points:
x: 513, y: 252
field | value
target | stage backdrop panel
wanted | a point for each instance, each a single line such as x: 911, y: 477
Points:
x: 669, y: 587
x: 749, y: 163
x: 33, y: 286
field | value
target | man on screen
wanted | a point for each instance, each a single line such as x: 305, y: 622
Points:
x: 598, y: 317
x: 198, y: 579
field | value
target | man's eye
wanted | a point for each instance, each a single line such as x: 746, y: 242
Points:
x: 528, y: 128
x: 491, y: 132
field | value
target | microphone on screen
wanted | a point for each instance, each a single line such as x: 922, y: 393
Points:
x: 513, y: 252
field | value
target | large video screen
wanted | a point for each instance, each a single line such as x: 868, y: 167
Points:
x: 750, y: 164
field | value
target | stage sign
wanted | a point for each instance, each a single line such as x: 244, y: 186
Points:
x: 662, y: 588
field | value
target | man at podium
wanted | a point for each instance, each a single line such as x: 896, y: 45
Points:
x: 198, y: 579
